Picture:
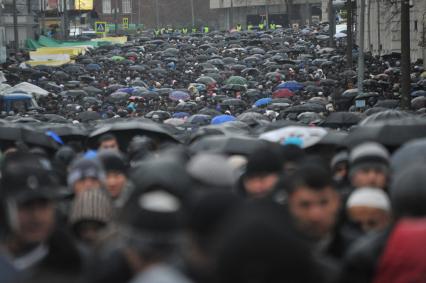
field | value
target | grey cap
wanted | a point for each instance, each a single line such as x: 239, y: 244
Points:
x: 369, y: 152
x: 342, y: 156
x: 211, y: 170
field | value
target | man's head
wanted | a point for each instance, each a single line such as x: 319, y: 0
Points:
x: 370, y: 208
x: 262, y: 171
x: 313, y: 201
x: 116, y: 172
x: 85, y: 174
x: 369, y: 166
x: 108, y: 142
x: 28, y: 192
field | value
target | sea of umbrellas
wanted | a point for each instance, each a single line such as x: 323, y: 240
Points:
x: 223, y: 92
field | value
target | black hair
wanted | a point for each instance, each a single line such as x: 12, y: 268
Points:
x: 313, y: 175
x: 107, y: 137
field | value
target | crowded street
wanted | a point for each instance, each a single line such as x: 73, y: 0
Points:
x: 254, y: 155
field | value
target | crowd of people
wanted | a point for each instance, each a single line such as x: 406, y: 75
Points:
x: 242, y: 157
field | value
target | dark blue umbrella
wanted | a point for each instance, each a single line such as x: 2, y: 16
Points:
x: 222, y: 119
x: 179, y: 95
x: 418, y: 93
x: 199, y: 119
x: 181, y: 115
x: 263, y: 102
x: 93, y: 67
x: 291, y: 85
x: 128, y: 90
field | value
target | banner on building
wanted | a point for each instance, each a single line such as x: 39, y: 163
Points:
x: 84, y: 4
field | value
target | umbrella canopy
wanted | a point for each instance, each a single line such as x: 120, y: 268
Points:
x: 392, y: 133
x: 263, y: 102
x: 93, y: 67
x: 418, y: 93
x: 236, y: 80
x: 126, y: 130
x: 210, y: 112
x: 303, y: 136
x: 291, y: 85
x: 222, y: 119
x: 179, y: 95
x: 117, y: 58
x: 206, y: 80
x: 118, y: 97
x: 342, y: 120
x: 181, y: 115
x: 229, y: 145
x: 384, y: 116
x: 10, y: 133
x: 387, y: 103
x: 233, y: 102
x: 307, y: 107
x: 88, y: 116
x: 199, y: 120
x: 282, y: 93
x: 252, y: 118
x: 67, y: 132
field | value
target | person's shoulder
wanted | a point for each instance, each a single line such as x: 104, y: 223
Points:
x: 368, y: 247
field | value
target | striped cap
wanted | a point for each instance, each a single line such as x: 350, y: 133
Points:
x: 91, y: 205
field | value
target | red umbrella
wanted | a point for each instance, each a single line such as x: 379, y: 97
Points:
x: 282, y: 93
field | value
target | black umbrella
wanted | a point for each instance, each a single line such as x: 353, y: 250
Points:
x: 307, y: 107
x: 392, y: 133
x: 127, y: 129
x: 88, y: 116
x: 233, y: 102
x: 199, y: 120
x: 384, y: 116
x: 342, y: 120
x: 186, y: 107
x: 11, y: 133
x: 74, y: 93
x: 91, y: 90
x: 387, y: 103
x: 163, y: 115
x: 227, y: 145
x: 118, y: 97
x: 67, y: 132
x: 210, y: 112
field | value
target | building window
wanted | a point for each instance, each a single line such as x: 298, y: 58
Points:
x: 127, y: 6
x: 106, y: 6
x: 415, y: 26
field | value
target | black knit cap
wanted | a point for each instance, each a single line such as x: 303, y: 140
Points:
x: 263, y: 161
x: 113, y: 161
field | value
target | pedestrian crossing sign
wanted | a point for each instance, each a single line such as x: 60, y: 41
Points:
x: 100, y: 27
x: 125, y: 23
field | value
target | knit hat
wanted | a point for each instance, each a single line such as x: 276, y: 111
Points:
x: 92, y: 205
x: 264, y: 160
x: 85, y: 168
x: 369, y: 197
x: 369, y: 154
x: 211, y: 170
x: 113, y: 161
x: 340, y: 157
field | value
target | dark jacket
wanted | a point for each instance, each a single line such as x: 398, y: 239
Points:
x: 360, y: 262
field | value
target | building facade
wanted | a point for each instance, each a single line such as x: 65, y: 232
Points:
x: 156, y: 13
x: 383, y: 27
x: 27, y: 13
x: 253, y: 12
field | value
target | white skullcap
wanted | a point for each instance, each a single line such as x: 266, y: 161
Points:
x: 369, y: 197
